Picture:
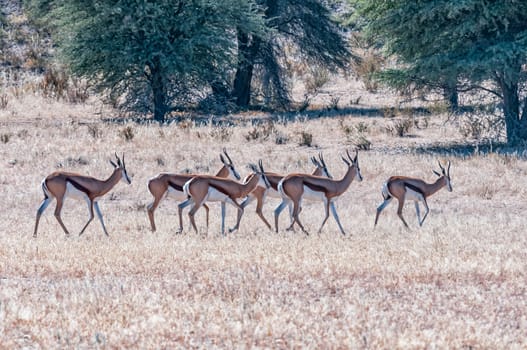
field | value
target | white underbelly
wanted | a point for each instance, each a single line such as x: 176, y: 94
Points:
x: 175, y: 194
x: 216, y: 196
x: 73, y: 192
x: 313, y: 196
x: 412, y: 195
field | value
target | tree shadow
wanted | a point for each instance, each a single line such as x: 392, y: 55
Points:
x: 257, y: 115
x: 466, y: 149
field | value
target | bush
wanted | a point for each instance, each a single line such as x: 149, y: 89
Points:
x: 4, y: 100
x: 94, y: 131
x: 59, y: 85
x: 355, y: 135
x: 221, y: 133
x: 54, y: 84
x: 368, y: 63
x: 306, y: 139
x: 479, y: 125
x: 400, y: 127
x: 5, y: 138
x: 261, y: 131
x: 127, y: 133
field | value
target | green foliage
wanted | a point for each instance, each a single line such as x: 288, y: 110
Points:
x: 152, y: 53
x: 453, y: 44
x: 302, y: 31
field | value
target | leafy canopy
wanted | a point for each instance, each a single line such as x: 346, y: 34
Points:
x: 438, y: 40
x: 119, y: 45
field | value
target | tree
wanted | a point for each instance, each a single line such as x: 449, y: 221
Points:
x: 468, y: 42
x: 151, y: 54
x: 306, y: 25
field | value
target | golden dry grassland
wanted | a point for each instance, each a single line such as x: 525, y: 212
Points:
x: 457, y: 282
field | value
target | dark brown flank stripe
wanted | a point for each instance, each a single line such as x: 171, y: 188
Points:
x: 274, y: 185
x: 78, y: 185
x: 413, y: 188
x: 220, y: 189
x: 314, y: 187
x: 175, y: 186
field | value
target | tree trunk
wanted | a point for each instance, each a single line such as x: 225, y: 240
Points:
x: 244, y: 73
x: 451, y: 95
x: 158, y: 86
x: 248, y: 47
x: 515, y: 124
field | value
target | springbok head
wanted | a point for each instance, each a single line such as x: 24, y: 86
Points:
x: 353, y: 163
x: 121, y: 166
x: 446, y: 174
x: 227, y: 162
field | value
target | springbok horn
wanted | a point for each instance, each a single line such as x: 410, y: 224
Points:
x: 321, y: 157
x: 345, y: 161
x: 118, y: 160
x: 226, y: 155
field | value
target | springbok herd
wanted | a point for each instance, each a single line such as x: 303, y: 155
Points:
x: 224, y: 187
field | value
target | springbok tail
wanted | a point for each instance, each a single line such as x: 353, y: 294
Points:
x: 386, y: 191
x: 281, y: 191
x: 45, y: 189
x: 186, y: 188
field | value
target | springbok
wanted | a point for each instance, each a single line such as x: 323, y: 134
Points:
x: 201, y: 189
x: 166, y: 184
x: 260, y: 193
x: 61, y: 184
x: 403, y: 188
x: 296, y: 187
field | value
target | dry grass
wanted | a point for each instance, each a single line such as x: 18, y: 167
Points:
x: 458, y: 282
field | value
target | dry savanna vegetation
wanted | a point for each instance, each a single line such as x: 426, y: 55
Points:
x: 457, y: 282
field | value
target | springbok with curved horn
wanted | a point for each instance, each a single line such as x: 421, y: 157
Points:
x: 166, y: 184
x: 61, y: 184
x: 201, y: 189
x: 261, y: 193
x: 296, y: 187
x: 403, y: 188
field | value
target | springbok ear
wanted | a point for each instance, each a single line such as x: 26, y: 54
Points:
x: 435, y: 172
x: 223, y: 159
x: 113, y: 164
x: 345, y: 161
x: 119, y: 163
